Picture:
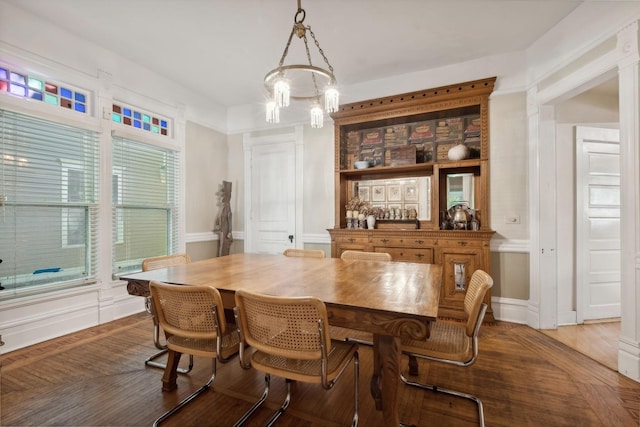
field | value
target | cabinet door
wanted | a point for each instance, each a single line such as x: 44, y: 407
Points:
x: 457, y: 267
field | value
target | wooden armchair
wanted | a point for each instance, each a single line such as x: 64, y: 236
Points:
x: 291, y: 339
x: 193, y: 318
x: 455, y: 343
x: 311, y: 253
x: 153, y: 264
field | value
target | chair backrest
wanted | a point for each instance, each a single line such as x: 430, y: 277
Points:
x: 366, y: 256
x: 187, y: 311
x: 291, y: 327
x: 311, y: 253
x: 479, y: 284
x: 165, y: 261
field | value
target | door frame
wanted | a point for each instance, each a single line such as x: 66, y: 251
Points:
x: 289, y: 136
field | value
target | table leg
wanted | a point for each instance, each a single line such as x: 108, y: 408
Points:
x: 171, y: 371
x: 386, y: 376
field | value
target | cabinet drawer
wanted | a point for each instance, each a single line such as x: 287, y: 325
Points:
x: 461, y: 243
x: 408, y: 254
x: 352, y: 238
x: 412, y: 242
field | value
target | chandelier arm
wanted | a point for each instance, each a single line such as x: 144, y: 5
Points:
x: 286, y: 48
x: 313, y: 76
x: 315, y: 40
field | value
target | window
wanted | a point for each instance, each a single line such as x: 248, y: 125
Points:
x: 48, y: 204
x: 145, y: 203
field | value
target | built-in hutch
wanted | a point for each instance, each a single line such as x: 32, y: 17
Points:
x: 423, y: 175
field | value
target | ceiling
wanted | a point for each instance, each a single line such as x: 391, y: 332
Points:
x: 223, y: 48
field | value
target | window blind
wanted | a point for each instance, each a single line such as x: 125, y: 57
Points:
x: 145, y: 203
x: 48, y: 204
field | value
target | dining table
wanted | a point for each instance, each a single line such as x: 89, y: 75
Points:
x: 388, y: 299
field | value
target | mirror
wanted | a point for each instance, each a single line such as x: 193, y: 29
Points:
x: 397, y: 193
x: 460, y: 189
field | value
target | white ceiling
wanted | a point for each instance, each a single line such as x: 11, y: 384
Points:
x: 223, y: 48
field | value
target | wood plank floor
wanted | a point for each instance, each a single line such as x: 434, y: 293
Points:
x: 97, y: 377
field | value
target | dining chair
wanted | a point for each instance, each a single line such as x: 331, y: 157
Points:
x: 454, y: 343
x: 310, y: 253
x: 291, y: 339
x: 365, y: 256
x: 153, y: 264
x: 194, y: 321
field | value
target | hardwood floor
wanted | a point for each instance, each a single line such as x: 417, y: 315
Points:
x: 597, y: 340
x: 97, y: 377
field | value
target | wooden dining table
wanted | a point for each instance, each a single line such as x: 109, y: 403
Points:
x: 387, y: 299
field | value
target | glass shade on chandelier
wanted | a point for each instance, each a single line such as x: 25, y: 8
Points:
x: 317, y: 116
x: 284, y: 80
x: 273, y: 112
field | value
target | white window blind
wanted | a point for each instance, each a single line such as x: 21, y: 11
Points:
x: 145, y: 203
x: 48, y: 205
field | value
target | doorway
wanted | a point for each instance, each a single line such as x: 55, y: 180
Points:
x: 273, y: 206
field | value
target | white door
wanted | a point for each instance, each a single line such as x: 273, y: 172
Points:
x: 598, y: 223
x: 272, y: 194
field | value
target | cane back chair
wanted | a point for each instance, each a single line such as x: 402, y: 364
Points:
x: 291, y: 339
x: 310, y: 253
x: 365, y: 256
x: 454, y: 343
x: 194, y: 321
x: 154, y: 264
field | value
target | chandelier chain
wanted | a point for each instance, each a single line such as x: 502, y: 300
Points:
x: 313, y: 36
x: 313, y: 76
x: 286, y: 48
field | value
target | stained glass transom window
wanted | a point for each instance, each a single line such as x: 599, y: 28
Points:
x: 21, y: 84
x: 137, y: 118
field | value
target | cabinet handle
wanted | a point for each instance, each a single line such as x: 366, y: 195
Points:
x: 419, y: 256
x: 384, y: 240
x: 401, y: 253
x: 401, y: 240
x: 351, y: 240
x: 462, y: 243
x: 419, y: 242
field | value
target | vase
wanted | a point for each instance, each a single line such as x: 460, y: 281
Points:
x: 371, y: 222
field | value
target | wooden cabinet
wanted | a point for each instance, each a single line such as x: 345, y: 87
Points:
x: 406, y: 139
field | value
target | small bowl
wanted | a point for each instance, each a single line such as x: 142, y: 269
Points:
x: 363, y: 164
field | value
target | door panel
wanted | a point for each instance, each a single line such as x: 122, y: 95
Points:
x: 598, y: 223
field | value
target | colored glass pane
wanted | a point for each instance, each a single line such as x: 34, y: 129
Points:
x: 137, y: 124
x: 147, y: 126
x: 163, y: 123
x: 18, y: 90
x: 51, y: 88
x: 66, y: 103
x: 137, y: 115
x: 117, y: 109
x: 155, y: 121
x: 34, y: 94
x: 163, y: 132
x: 116, y: 118
x: 146, y: 118
x: 36, y: 84
x: 50, y: 99
x: 155, y: 129
x: 126, y: 120
x: 4, y: 86
x: 79, y: 97
x: 66, y: 93
x: 4, y: 74
x: 18, y: 78
x: 79, y: 107
x: 126, y: 112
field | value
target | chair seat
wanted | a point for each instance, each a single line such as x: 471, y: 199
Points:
x: 305, y: 370
x: 206, y: 347
x: 447, y: 340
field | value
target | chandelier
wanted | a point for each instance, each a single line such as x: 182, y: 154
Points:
x: 300, y: 81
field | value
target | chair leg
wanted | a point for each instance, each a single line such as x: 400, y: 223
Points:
x: 189, y: 398
x: 356, y: 379
x: 150, y: 361
x: 435, y: 388
x: 283, y: 407
x: 265, y: 393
